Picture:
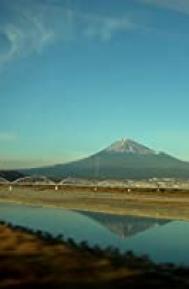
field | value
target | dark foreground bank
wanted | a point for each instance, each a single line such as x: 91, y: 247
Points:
x: 36, y: 260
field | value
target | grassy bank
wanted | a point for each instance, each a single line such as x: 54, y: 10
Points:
x: 36, y: 260
x: 165, y: 204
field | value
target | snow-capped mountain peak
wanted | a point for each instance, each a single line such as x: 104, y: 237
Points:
x: 129, y: 146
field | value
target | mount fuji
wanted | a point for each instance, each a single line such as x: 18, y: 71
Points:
x: 121, y: 160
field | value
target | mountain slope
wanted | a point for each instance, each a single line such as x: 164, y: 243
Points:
x: 10, y: 175
x: 122, y: 159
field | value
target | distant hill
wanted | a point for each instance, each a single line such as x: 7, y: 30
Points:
x: 11, y: 175
x: 121, y: 160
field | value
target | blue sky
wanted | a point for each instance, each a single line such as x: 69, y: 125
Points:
x: 78, y: 75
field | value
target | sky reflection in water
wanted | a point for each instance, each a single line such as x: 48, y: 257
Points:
x: 162, y: 240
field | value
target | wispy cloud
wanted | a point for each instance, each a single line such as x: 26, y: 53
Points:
x: 105, y: 27
x: 24, y: 31
x: 29, y: 26
x: 7, y: 137
x: 176, y: 5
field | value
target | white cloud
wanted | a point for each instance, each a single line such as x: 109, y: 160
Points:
x: 105, y: 27
x: 32, y: 25
x: 25, y: 33
x: 30, y: 28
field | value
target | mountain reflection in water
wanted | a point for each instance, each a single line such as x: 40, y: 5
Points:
x: 162, y: 240
x: 125, y: 226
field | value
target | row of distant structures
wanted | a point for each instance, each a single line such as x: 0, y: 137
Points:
x: 154, y: 183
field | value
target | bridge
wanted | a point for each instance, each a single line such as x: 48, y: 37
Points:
x: 4, y: 181
x: 37, y: 180
x: 33, y: 180
x: 43, y: 181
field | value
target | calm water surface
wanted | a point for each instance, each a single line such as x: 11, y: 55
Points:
x: 162, y: 240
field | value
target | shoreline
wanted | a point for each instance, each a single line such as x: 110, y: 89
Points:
x: 137, y: 204
x: 33, y: 259
x: 111, y: 212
